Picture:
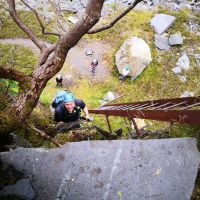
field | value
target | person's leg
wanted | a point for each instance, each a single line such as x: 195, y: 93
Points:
x: 64, y: 127
x: 123, y: 77
x: 93, y: 71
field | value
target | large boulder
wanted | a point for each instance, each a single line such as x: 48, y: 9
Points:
x: 134, y: 52
x: 107, y: 170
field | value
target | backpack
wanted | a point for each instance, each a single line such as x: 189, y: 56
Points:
x: 60, y: 96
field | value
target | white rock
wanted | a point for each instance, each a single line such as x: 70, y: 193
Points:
x: 139, y: 122
x: 182, y: 78
x: 176, y: 70
x: 183, y: 62
x: 110, y: 96
x: 187, y: 94
x: 135, y: 53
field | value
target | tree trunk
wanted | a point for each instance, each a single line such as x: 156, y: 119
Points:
x: 32, y: 86
x: 17, y: 113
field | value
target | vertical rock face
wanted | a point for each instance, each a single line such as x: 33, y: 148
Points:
x: 135, y: 53
x: 141, y: 169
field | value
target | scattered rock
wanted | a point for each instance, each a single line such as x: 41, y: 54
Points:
x: 162, y: 22
x: 182, y: 78
x: 161, y: 42
x: 89, y: 53
x: 197, y: 56
x: 183, y: 62
x: 176, y: 70
x: 109, y: 96
x: 175, y: 39
x: 187, y: 94
x: 193, y: 26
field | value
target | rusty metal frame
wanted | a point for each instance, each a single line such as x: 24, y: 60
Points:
x: 176, y: 110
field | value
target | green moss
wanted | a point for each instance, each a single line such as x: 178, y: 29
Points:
x: 178, y: 130
x: 17, y: 57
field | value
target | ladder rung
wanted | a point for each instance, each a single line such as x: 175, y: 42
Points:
x: 119, y: 107
x: 149, y: 106
x: 116, y: 107
x: 125, y: 107
x: 131, y: 106
x: 190, y: 106
x: 175, y: 105
x: 107, y: 108
x: 140, y: 106
x: 161, y: 106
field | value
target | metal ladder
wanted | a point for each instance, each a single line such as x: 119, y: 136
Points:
x: 177, y: 110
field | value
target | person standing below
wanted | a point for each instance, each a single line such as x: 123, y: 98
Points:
x: 125, y: 72
x: 94, y: 65
x: 59, y: 80
x: 68, y: 111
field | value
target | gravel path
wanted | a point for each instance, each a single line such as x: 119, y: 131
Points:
x: 76, y: 58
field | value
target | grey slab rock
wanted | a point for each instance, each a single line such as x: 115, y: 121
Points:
x: 161, y: 42
x: 162, y: 22
x: 176, y: 70
x: 108, y: 170
x: 22, y: 188
x: 197, y: 56
x: 175, y: 39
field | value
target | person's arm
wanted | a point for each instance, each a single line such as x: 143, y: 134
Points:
x: 57, y: 115
x: 85, y: 110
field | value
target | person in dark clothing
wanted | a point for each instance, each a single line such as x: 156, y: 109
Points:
x: 68, y: 111
x: 59, y: 80
x: 93, y: 65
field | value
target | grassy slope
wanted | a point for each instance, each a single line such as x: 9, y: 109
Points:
x: 157, y: 80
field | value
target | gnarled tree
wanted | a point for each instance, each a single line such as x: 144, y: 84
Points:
x: 31, y: 86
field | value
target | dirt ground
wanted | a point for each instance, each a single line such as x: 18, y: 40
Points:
x: 77, y: 59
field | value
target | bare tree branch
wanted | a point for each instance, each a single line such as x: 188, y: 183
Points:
x: 44, y: 135
x: 56, y: 6
x: 24, y: 28
x: 112, y: 23
x: 44, y: 56
x: 27, y: 99
x: 13, y: 74
x: 40, y: 21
